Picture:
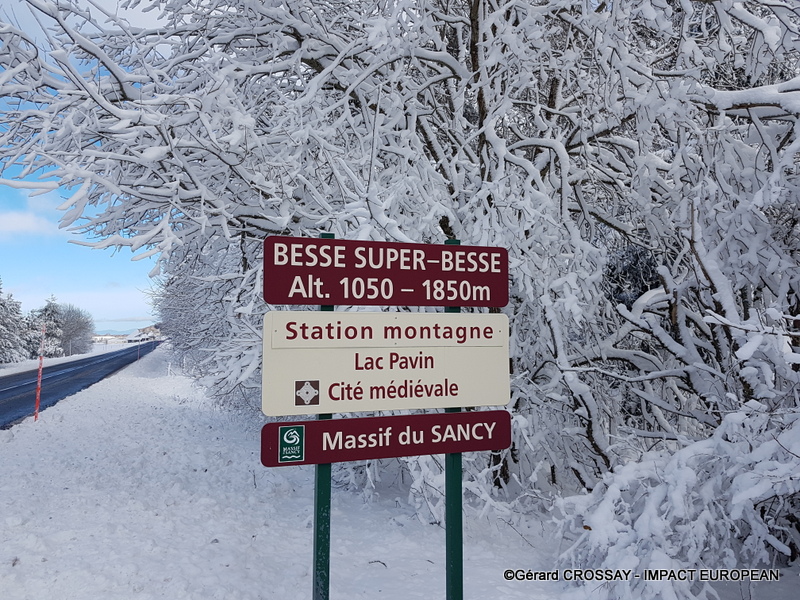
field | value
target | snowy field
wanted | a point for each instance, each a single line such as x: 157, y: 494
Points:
x: 139, y: 488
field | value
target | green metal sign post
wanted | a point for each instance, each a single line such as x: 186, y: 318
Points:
x: 454, y: 535
x: 322, y: 513
x: 348, y: 272
x: 454, y: 531
x: 322, y: 529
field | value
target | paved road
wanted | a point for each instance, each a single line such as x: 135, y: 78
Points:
x: 18, y: 391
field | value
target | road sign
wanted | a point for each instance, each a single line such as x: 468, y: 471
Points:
x: 340, y: 440
x: 335, y: 362
x: 351, y: 272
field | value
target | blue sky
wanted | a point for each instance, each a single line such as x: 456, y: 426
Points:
x: 37, y: 260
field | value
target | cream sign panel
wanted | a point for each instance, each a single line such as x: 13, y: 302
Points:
x: 334, y: 362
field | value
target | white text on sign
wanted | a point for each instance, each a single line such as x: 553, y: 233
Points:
x: 321, y: 271
x: 404, y: 259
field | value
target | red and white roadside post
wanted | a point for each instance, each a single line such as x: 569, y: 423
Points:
x: 39, y: 379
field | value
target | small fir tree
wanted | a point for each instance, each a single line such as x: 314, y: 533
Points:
x: 12, y: 324
x: 50, y: 318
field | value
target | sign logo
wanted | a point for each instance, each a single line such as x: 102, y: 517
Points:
x: 306, y: 393
x: 291, y: 443
x: 368, y: 438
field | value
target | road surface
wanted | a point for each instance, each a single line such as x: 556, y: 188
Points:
x: 18, y: 391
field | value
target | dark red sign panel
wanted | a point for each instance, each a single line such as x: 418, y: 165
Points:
x: 351, y: 272
x: 341, y: 440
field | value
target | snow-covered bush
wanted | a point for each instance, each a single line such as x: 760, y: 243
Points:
x: 226, y: 342
x: 729, y: 501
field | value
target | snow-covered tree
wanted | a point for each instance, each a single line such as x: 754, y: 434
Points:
x: 77, y: 328
x: 47, y: 319
x: 637, y: 158
x: 224, y: 343
x: 12, y: 329
x: 727, y: 501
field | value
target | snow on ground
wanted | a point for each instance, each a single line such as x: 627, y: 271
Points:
x: 139, y: 488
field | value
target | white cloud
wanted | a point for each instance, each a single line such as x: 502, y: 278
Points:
x: 26, y: 223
